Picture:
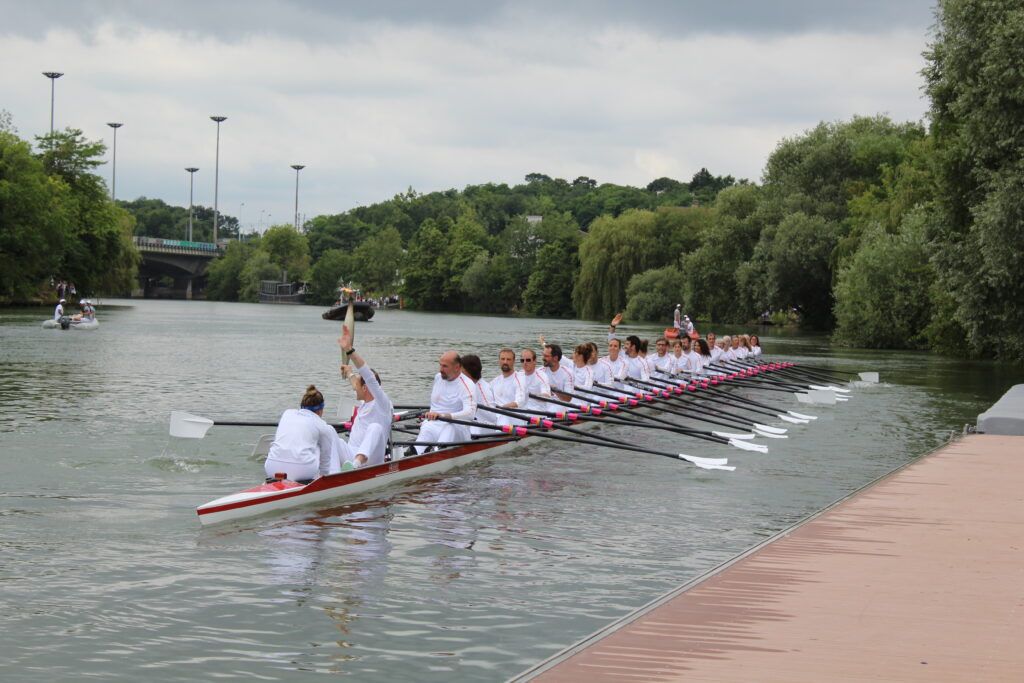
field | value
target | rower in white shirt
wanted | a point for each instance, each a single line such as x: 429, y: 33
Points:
x: 482, y: 394
x: 559, y: 377
x: 678, y: 359
x: 533, y: 382
x: 583, y: 373
x: 611, y: 369
x: 636, y: 367
x: 304, y: 444
x: 507, y: 387
x: 451, y: 397
x: 371, y: 428
x: 663, y: 362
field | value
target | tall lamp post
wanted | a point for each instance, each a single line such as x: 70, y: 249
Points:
x: 53, y: 76
x: 191, y: 176
x: 113, y: 174
x: 216, y: 175
x: 297, y: 167
x: 240, y: 207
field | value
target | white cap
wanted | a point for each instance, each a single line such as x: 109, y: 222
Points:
x: 83, y: 302
x: 63, y: 301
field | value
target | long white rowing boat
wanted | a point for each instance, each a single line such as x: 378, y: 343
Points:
x: 284, y: 494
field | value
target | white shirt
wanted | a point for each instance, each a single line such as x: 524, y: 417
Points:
x: 716, y: 353
x: 742, y: 352
x: 636, y: 368
x: 58, y: 312
x: 583, y: 377
x: 617, y: 367
x: 693, y: 362
x: 303, y: 437
x: 379, y: 411
x: 537, y: 384
x: 453, y: 396
x: 484, y: 397
x: 508, y: 390
x: 756, y: 350
x: 664, y: 364
x: 560, y: 379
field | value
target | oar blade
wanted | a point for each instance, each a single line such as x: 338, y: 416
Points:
x: 745, y: 446
x: 817, y: 397
x: 769, y: 435
x: 708, y: 463
x: 801, y: 415
x: 793, y: 420
x: 733, y: 435
x: 870, y: 377
x: 770, y: 430
x: 188, y: 426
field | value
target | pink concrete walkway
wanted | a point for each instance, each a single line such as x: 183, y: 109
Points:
x: 917, y: 578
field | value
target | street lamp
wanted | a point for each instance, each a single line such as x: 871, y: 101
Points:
x: 216, y: 175
x: 53, y: 76
x: 113, y: 174
x: 240, y: 207
x: 297, y: 167
x: 191, y: 176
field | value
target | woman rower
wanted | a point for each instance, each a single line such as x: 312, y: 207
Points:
x: 583, y: 371
x: 755, y: 345
x: 303, y: 444
x: 368, y: 438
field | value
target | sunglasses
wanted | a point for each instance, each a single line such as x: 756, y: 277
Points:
x: 527, y: 360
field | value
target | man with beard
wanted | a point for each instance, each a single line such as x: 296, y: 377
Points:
x: 451, y: 398
x: 507, y: 388
x: 533, y: 382
x: 560, y: 378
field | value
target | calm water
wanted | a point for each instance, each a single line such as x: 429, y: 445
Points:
x: 472, y: 576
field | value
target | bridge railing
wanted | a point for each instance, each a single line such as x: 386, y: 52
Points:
x: 177, y: 246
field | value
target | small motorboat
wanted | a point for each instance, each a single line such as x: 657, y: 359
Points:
x: 68, y: 323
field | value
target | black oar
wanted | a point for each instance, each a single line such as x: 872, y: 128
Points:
x: 187, y: 426
x: 733, y: 404
x: 704, y: 463
x: 715, y: 437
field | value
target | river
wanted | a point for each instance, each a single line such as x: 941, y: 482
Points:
x: 473, y: 576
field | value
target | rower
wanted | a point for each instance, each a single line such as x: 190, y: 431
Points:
x: 452, y: 398
x: 560, y: 378
x: 482, y: 394
x: 663, y: 362
x: 58, y: 312
x: 304, y: 444
x: 533, y: 382
x: 611, y: 368
x: 507, y: 387
x: 583, y: 374
x: 636, y: 366
x: 371, y: 427
x: 755, y: 345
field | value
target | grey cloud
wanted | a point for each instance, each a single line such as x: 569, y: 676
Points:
x: 326, y: 19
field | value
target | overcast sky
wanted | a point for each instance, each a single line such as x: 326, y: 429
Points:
x: 375, y: 97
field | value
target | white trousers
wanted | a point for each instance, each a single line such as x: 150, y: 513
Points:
x: 372, y: 446
x: 436, y: 431
x: 295, y: 471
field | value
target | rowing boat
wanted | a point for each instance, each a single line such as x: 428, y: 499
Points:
x: 284, y: 494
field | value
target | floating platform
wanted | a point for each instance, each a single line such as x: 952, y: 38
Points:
x: 916, y: 577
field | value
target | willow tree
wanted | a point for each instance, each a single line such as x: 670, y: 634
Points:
x: 614, y: 250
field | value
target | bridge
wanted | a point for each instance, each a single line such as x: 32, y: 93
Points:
x: 173, y: 269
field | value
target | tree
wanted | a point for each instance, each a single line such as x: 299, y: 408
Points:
x: 425, y: 272
x: 549, y: 289
x: 225, y: 273
x: 258, y: 267
x: 34, y: 220
x: 378, y: 260
x: 883, y: 295
x: 974, y: 83
x: 653, y: 294
x: 800, y: 253
x: 334, y: 268
x: 287, y: 249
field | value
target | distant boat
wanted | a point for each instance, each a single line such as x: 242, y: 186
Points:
x: 364, y: 311
x: 272, y: 292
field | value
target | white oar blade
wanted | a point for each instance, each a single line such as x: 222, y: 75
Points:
x: 793, y: 420
x: 769, y: 435
x: 838, y: 390
x: 870, y: 377
x: 801, y: 415
x: 817, y: 397
x: 745, y: 446
x: 770, y: 430
x: 731, y: 435
x: 187, y: 426
x: 708, y: 463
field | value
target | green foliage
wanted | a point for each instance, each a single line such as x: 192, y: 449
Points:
x: 976, y: 89
x: 882, y: 296
x: 258, y: 267
x: 800, y: 253
x: 378, y: 261
x: 156, y: 218
x: 425, y: 270
x: 614, y: 250
x: 57, y: 221
x: 549, y: 289
x: 653, y: 294
x: 288, y: 250
x: 334, y: 268
x: 225, y: 273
